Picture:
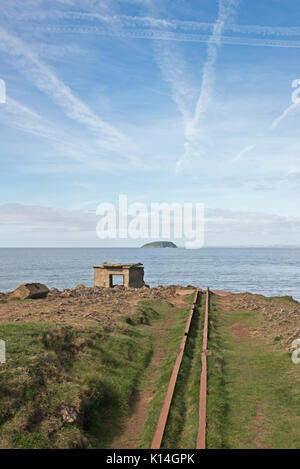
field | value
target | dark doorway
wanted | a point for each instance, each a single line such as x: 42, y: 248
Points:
x: 115, y: 280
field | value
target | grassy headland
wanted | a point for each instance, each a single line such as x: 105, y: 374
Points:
x: 253, y: 385
x: 72, y: 387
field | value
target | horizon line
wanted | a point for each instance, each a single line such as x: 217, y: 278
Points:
x: 269, y: 246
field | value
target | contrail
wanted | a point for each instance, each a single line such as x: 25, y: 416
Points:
x: 193, y: 133
x: 88, y: 152
x: 152, y: 34
x: 47, y: 81
x: 243, y: 152
x: 150, y: 22
x: 226, y: 10
x: 290, y: 110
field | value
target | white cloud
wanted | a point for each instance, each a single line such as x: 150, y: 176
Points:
x: 221, y: 226
x: 231, y: 217
x: 243, y: 152
x: 88, y: 152
x: 46, y: 80
x: 41, y: 218
x: 175, y: 73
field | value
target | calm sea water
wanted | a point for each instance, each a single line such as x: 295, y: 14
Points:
x: 259, y: 270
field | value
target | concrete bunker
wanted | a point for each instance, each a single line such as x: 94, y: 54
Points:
x: 132, y: 275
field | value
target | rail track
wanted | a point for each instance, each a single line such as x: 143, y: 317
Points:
x: 165, y: 410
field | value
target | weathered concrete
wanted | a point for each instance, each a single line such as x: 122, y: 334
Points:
x: 30, y: 290
x: 133, y: 275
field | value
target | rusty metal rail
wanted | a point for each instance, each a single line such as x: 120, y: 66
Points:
x: 162, y: 421
x: 201, y: 438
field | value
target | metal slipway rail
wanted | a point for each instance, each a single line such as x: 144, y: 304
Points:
x: 162, y: 421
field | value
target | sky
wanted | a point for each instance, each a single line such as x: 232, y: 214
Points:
x: 164, y: 101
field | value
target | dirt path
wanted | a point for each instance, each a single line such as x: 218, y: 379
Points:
x: 258, y: 428
x: 134, y: 425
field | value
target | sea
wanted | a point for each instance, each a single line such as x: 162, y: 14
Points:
x: 268, y: 271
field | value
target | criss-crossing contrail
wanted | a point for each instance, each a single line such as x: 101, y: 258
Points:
x: 166, y: 35
x: 193, y: 132
x: 45, y: 79
x: 124, y: 21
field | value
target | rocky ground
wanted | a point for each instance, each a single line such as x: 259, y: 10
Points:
x: 281, y: 314
x: 88, y: 305
x: 82, y: 305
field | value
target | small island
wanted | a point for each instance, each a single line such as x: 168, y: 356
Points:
x: 160, y: 244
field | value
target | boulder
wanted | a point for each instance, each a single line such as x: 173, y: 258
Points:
x: 30, y: 290
x: 54, y: 291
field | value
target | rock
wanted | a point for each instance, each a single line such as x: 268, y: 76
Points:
x: 67, y: 293
x: 160, y: 244
x: 30, y: 290
x: 69, y: 414
x: 80, y: 286
x: 54, y: 291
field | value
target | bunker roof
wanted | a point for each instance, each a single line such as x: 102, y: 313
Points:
x: 105, y: 265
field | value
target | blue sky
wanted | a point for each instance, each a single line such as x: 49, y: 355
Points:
x: 165, y: 101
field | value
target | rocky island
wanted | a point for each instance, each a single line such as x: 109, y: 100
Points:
x: 160, y: 244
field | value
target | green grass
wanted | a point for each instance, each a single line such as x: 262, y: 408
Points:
x: 14, y: 300
x: 216, y: 390
x: 146, y: 313
x: 253, y: 398
x: 93, y: 371
x: 283, y: 299
x: 253, y: 386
